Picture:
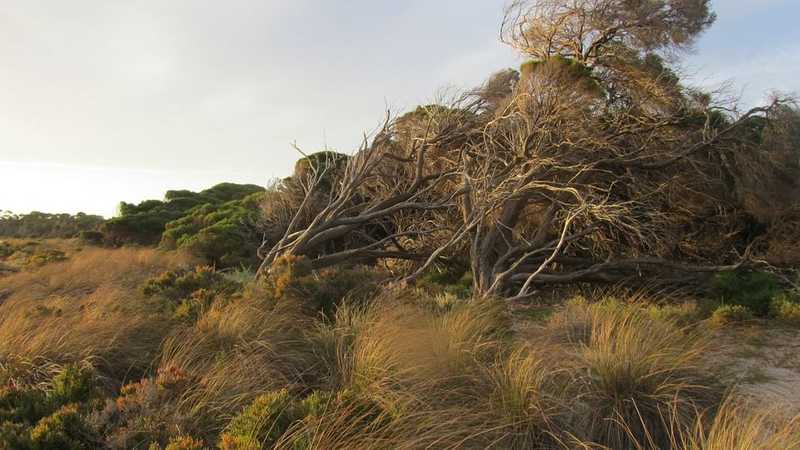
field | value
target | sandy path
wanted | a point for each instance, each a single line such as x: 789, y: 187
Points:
x: 764, y: 362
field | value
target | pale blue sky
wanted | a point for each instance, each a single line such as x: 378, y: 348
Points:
x: 109, y: 100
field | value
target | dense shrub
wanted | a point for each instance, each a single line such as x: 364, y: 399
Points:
x: 456, y: 281
x: 14, y: 436
x: 181, y: 443
x: 261, y: 424
x: 292, y: 279
x: 22, y: 405
x: 30, y: 254
x: 225, y: 235
x: 753, y: 290
x: 74, y: 384
x: 145, y: 411
x: 188, y: 291
x: 144, y: 223
x: 65, y: 429
x: 6, y: 249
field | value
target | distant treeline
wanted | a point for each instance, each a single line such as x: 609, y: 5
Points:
x: 218, y: 224
x: 44, y: 225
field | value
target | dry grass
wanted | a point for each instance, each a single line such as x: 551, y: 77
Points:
x: 739, y: 426
x: 404, y: 371
x: 87, y: 307
x: 457, y: 380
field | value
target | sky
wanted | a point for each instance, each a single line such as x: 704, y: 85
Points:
x: 103, y: 101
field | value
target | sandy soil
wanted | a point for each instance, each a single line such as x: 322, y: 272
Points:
x: 764, y: 362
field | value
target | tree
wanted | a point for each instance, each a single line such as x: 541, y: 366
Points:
x: 593, y: 163
x: 591, y: 30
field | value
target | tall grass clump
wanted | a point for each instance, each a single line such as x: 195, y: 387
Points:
x: 637, y: 378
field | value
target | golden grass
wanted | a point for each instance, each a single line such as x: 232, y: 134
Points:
x: 403, y: 371
x: 87, y: 307
x: 742, y: 426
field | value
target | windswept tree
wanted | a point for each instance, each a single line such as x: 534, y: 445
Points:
x: 590, y: 30
x: 592, y: 163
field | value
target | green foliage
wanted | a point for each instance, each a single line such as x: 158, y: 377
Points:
x: 144, y: 223
x: 261, y: 423
x: 14, y: 436
x: 325, y: 161
x: 728, y: 314
x: 6, y: 249
x: 225, y: 235
x: 43, y: 225
x: 74, y: 384
x: 454, y: 281
x: 65, y: 429
x: 753, y: 290
x: 680, y: 313
x: 22, y: 405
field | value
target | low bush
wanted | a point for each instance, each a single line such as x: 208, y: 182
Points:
x: 225, y: 235
x: 188, y: 292
x: 181, y: 443
x: 65, y: 429
x: 786, y: 309
x: 753, y: 290
x: 14, y: 436
x: 73, y: 384
x: 729, y: 314
x: 261, y: 424
x: 454, y: 281
x: 292, y: 279
x: 22, y: 405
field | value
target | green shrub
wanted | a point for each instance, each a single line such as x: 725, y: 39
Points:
x: 785, y: 308
x: 680, y: 313
x: 291, y: 279
x: 456, y: 281
x: 753, y: 290
x: 14, y: 436
x: 261, y: 424
x: 65, y: 429
x: 74, y: 384
x: 727, y: 314
x: 22, y: 405
x: 225, y: 234
x: 188, y: 292
x: 179, y: 284
x: 144, y: 223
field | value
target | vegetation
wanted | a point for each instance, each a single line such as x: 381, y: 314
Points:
x: 43, y: 225
x: 545, y: 264
x: 225, y: 235
x: 144, y: 223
